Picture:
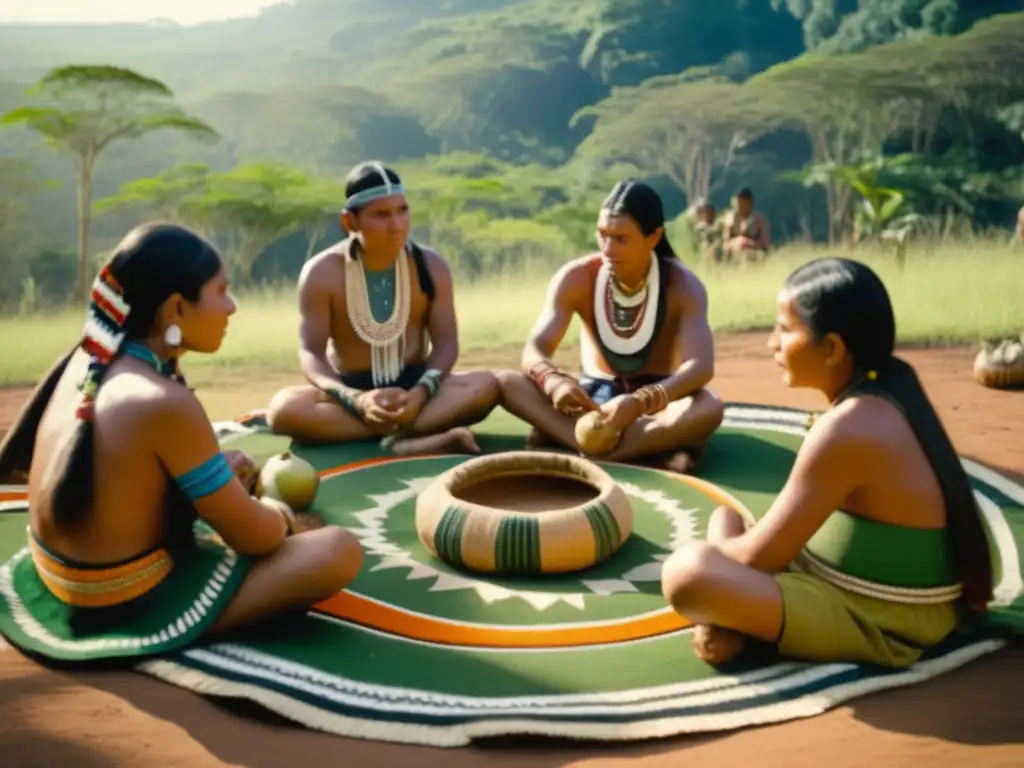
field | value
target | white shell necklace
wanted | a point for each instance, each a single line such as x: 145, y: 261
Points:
x: 628, y: 340
x: 387, y: 338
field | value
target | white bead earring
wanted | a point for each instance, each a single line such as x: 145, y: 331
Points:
x: 172, y: 336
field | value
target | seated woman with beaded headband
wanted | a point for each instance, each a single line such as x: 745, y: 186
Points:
x: 126, y: 480
x: 367, y: 307
x: 647, y: 350
x: 875, y: 548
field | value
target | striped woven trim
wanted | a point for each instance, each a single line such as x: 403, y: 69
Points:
x: 100, y: 587
x: 191, y: 615
x: 517, y: 545
x: 815, y: 566
x: 448, y: 535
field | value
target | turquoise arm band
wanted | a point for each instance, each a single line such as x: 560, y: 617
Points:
x: 210, y: 476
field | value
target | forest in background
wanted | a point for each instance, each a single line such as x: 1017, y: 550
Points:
x: 511, y: 119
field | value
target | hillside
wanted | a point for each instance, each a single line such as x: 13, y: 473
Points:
x: 322, y: 84
x: 501, y: 76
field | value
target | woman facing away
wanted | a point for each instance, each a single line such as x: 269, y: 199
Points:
x: 874, y: 550
x: 123, y: 463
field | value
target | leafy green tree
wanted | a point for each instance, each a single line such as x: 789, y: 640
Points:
x: 169, y: 195
x: 689, y: 130
x: 87, y: 108
x: 18, y: 238
x: 253, y: 206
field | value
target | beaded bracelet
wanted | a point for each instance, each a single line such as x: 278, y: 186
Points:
x: 542, y: 372
x: 654, y: 398
x: 430, y: 381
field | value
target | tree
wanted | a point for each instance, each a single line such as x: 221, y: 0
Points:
x: 322, y: 200
x: 689, y: 130
x: 87, y: 108
x: 880, y: 202
x: 892, y: 205
x: 170, y: 195
x: 250, y: 207
x: 255, y: 205
x: 850, y: 106
x: 17, y: 184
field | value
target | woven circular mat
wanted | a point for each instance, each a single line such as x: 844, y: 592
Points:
x: 417, y: 651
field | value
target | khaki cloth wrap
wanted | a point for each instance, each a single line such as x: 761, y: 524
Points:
x: 868, y: 592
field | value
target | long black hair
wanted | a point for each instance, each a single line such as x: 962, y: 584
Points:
x: 847, y: 298
x: 152, y: 263
x: 643, y: 204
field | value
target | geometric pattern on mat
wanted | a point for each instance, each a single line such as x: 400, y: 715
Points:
x: 417, y: 652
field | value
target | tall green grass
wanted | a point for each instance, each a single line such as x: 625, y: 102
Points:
x: 954, y: 292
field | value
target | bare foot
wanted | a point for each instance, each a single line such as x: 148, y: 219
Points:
x: 684, y: 461
x: 455, y: 440
x: 537, y: 440
x: 715, y: 645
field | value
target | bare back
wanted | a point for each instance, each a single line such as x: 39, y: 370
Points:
x: 896, y: 483
x: 323, y: 305
x: 127, y: 514
x: 578, y: 287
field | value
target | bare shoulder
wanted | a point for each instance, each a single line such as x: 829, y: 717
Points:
x: 573, y: 282
x: 684, y: 282
x: 860, y: 425
x: 181, y: 424
x: 147, y: 399
x: 578, y: 273
x: 323, y: 269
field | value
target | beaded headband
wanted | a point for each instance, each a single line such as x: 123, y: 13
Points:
x: 366, y: 196
x: 102, y: 336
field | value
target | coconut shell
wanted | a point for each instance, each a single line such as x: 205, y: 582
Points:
x: 595, y: 435
x: 290, y: 479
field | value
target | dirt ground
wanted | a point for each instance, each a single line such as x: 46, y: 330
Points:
x: 970, y: 716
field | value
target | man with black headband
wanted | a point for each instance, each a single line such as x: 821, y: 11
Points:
x: 646, y: 347
x: 367, y: 308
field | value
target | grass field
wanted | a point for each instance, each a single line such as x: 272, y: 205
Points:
x: 956, y: 292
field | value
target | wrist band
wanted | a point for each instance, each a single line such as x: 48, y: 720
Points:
x: 430, y: 381
x: 341, y: 395
x: 542, y: 372
x: 654, y: 398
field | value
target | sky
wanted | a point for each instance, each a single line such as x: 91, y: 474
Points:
x: 107, y: 11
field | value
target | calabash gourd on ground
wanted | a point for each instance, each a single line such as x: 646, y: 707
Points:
x: 1001, y: 366
x: 290, y: 479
